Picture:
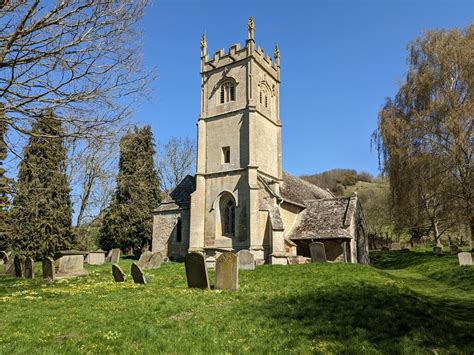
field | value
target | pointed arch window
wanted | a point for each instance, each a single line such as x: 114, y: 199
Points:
x: 227, y: 92
x: 229, y: 218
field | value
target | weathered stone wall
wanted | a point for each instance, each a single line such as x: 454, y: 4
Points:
x: 165, y: 233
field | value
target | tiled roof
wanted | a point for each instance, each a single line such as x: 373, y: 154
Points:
x: 294, y: 189
x: 180, y: 197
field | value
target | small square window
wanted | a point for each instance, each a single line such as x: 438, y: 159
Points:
x: 226, y: 155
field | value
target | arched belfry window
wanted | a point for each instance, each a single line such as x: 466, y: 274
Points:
x: 264, y: 96
x: 227, y: 92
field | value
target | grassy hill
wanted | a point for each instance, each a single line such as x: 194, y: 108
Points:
x: 405, y: 303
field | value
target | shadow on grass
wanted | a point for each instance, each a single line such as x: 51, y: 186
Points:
x: 386, y: 318
x: 392, y: 260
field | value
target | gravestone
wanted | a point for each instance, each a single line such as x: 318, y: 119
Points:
x: 137, y: 274
x: 9, y: 267
x: 118, y: 274
x: 318, y: 252
x: 29, y: 268
x: 465, y: 259
x: 95, y: 258
x: 71, y: 265
x: 227, y: 272
x: 49, y: 272
x: 19, y: 261
x: 144, y: 259
x: 395, y: 246
x: 438, y: 251
x: 4, y: 257
x: 454, y: 249
x: 246, y: 260
x: 115, y: 256
x: 196, y: 271
x: 155, y: 261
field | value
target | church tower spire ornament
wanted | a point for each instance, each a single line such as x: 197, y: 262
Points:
x: 203, y: 45
x: 251, y: 27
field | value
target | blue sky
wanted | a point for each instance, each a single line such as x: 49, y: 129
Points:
x: 339, y: 60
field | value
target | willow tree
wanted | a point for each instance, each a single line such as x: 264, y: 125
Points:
x: 425, y: 133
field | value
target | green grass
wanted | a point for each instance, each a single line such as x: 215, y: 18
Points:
x: 407, y: 303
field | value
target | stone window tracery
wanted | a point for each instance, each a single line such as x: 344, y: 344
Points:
x: 227, y: 92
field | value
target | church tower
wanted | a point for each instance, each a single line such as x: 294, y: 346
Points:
x: 239, y: 141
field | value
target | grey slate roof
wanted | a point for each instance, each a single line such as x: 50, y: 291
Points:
x: 326, y: 219
x: 180, y: 197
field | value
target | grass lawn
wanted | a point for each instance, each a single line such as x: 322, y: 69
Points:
x: 405, y: 303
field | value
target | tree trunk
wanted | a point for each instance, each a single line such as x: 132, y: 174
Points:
x: 437, y: 239
x: 472, y: 233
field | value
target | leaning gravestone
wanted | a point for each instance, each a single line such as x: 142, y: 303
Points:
x: 137, y: 274
x: 318, y: 252
x: 115, y: 256
x: 227, y: 272
x: 454, y: 249
x: 465, y: 259
x: 438, y: 251
x: 144, y: 259
x: 49, y: 272
x: 196, y: 271
x: 29, y: 269
x: 19, y: 261
x: 9, y: 267
x: 395, y: 246
x: 246, y: 260
x: 118, y: 274
x: 155, y: 261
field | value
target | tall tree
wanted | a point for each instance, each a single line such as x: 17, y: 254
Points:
x: 42, y: 211
x: 128, y: 221
x: 425, y: 132
x: 5, y: 184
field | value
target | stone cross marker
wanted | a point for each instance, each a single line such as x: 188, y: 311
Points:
x: 155, y: 261
x: 19, y: 261
x: 318, y: 252
x: 29, y: 269
x: 115, y: 256
x: 137, y: 274
x: 196, y: 271
x: 227, y: 272
x: 246, y: 260
x: 118, y: 274
x: 144, y: 259
x: 465, y: 259
x: 395, y: 246
x: 48, y: 269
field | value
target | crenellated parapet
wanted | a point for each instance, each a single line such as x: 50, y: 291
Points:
x: 236, y: 54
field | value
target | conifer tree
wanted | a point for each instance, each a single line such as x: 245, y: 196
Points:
x: 128, y: 220
x: 4, y: 185
x: 42, y: 210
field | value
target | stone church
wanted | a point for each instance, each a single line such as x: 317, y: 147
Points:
x: 240, y: 198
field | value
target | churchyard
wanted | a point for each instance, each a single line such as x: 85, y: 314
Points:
x: 406, y: 302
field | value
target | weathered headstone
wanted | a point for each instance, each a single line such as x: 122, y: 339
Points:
x: 196, y: 271
x: 49, y: 272
x: 227, y: 272
x: 318, y: 252
x: 246, y: 260
x: 465, y: 259
x: 95, y: 258
x: 454, y: 249
x: 137, y: 274
x: 155, y: 261
x: 395, y: 246
x: 118, y: 274
x: 19, y: 261
x: 29, y: 268
x: 115, y: 256
x: 71, y: 265
x: 9, y: 267
x: 438, y: 251
x: 144, y: 259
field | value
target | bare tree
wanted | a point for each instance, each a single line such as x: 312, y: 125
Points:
x: 79, y: 58
x: 175, y: 160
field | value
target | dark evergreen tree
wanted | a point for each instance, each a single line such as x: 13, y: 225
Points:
x: 42, y: 211
x: 5, y: 184
x: 128, y: 221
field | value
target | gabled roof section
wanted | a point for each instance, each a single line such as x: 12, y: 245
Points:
x: 326, y: 219
x: 294, y: 189
x: 180, y: 197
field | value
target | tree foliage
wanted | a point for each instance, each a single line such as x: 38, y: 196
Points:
x: 425, y: 134
x: 337, y: 180
x: 42, y: 211
x: 128, y: 220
